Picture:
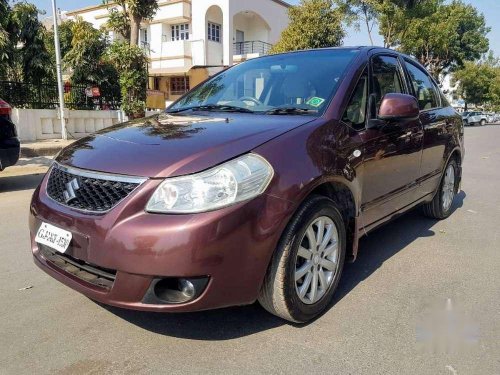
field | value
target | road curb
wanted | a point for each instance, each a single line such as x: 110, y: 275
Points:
x: 35, y: 149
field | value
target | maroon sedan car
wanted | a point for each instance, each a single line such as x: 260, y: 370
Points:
x: 255, y: 185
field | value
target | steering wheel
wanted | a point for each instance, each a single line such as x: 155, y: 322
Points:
x: 250, y: 99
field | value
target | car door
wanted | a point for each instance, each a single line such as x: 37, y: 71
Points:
x: 391, y: 150
x: 437, y: 119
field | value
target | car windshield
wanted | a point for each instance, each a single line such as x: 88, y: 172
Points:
x: 296, y: 83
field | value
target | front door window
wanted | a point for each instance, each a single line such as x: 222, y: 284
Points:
x: 386, y: 78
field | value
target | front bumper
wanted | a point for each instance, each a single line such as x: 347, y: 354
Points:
x: 231, y: 246
x: 9, y: 152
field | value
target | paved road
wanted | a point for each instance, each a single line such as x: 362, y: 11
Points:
x: 423, y: 298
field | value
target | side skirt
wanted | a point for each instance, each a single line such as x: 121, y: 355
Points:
x: 364, y: 230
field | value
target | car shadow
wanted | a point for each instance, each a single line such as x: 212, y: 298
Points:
x: 35, y: 161
x: 20, y: 182
x: 235, y: 322
x: 385, y: 242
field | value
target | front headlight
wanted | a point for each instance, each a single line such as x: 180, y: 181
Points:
x: 237, y: 180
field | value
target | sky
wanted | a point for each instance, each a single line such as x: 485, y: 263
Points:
x: 490, y: 8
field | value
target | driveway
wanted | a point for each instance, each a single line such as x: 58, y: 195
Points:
x: 422, y: 298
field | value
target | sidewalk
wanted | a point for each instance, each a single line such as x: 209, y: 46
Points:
x: 49, y: 147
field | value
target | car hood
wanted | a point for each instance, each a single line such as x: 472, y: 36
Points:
x: 167, y: 145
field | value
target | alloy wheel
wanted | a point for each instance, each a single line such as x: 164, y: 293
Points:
x: 317, y: 260
x: 448, y: 190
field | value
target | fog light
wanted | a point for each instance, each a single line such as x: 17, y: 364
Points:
x: 187, y: 288
x: 172, y: 290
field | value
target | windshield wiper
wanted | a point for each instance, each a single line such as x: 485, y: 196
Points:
x: 212, y: 107
x: 290, y: 111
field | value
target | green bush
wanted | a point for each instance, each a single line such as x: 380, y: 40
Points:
x: 131, y: 64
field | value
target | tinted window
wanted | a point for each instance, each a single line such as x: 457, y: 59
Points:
x: 423, y: 87
x: 306, y: 80
x: 355, y: 112
x: 386, y: 77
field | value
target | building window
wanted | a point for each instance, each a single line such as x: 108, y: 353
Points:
x: 214, y: 32
x: 143, y: 37
x: 180, y: 32
x: 154, y: 83
x: 179, y: 85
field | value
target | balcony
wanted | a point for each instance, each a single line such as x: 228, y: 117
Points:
x: 251, y: 47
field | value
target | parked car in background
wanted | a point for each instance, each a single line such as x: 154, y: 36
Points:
x: 9, y: 142
x: 490, y: 117
x: 255, y: 185
x: 474, y: 118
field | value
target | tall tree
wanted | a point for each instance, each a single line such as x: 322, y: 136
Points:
x: 86, y: 60
x: 24, y: 54
x: 362, y: 12
x: 4, y: 36
x: 126, y: 17
x: 65, y: 44
x: 442, y: 36
x: 394, y: 17
x: 127, y: 57
x: 495, y: 91
x: 313, y: 24
x: 477, y: 82
x: 4, y: 14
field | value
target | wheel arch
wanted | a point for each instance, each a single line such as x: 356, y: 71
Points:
x: 456, y: 153
x: 343, y: 193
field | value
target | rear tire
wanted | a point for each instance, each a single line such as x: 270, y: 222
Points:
x: 306, y: 266
x: 441, y: 205
x: 483, y: 122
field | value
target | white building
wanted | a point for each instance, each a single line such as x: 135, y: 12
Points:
x: 188, y: 40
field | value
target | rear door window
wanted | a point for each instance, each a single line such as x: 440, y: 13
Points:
x: 423, y: 88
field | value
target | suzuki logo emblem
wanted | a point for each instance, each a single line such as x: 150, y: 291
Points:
x: 70, y: 192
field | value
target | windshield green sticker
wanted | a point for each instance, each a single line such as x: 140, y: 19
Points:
x: 315, y: 101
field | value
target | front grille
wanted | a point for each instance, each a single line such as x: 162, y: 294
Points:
x: 88, y: 191
x: 101, y: 277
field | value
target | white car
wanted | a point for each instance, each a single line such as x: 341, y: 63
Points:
x: 490, y: 118
x: 474, y: 118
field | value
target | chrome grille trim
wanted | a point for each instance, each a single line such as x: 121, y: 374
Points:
x: 103, y: 176
x: 100, y: 175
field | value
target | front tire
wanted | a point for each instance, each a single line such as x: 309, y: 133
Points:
x: 440, y: 207
x: 307, y: 265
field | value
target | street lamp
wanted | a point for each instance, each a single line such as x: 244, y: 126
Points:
x: 64, y: 134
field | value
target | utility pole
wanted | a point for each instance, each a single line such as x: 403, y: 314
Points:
x: 60, y: 88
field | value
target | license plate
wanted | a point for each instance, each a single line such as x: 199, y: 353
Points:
x: 53, y: 237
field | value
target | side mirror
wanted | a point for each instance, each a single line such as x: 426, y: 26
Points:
x: 398, y: 107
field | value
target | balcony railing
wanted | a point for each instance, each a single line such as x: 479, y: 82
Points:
x: 251, y: 46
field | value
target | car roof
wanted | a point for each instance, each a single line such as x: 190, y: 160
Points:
x: 367, y: 49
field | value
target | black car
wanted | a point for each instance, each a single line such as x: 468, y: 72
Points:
x: 9, y: 142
